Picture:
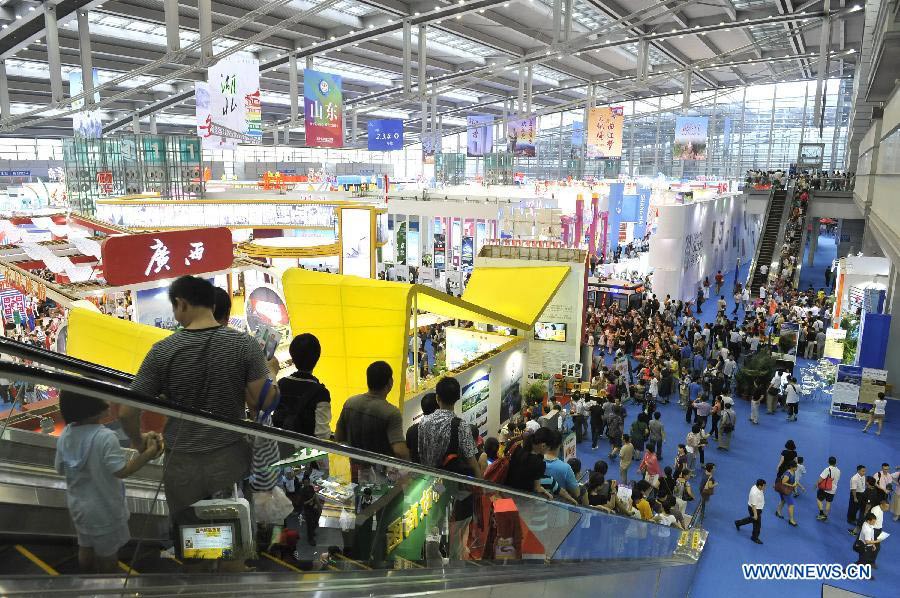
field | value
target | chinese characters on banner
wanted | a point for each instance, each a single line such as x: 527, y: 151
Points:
x: 604, y: 132
x: 133, y: 259
x: 480, y: 134
x: 690, y: 138
x: 385, y: 135
x: 323, y: 106
x: 228, y: 105
x: 520, y: 136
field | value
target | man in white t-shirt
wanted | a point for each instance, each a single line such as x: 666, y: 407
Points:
x: 762, y: 292
x: 792, y: 399
x: 876, y: 415
x: 826, y: 489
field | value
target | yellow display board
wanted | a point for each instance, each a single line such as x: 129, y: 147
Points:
x: 521, y: 294
x: 108, y: 341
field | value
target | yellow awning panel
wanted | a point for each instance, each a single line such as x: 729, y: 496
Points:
x: 519, y: 294
x: 108, y: 341
x: 357, y: 321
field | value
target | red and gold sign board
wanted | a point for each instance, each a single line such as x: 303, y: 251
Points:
x: 16, y: 280
x: 135, y: 259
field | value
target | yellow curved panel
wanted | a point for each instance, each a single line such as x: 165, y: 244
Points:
x: 521, y: 294
x: 109, y: 341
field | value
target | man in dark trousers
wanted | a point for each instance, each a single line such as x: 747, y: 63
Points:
x: 312, y: 509
x: 755, y: 503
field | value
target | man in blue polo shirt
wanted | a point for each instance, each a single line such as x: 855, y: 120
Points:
x: 558, y: 473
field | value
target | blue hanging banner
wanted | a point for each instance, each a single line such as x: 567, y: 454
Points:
x: 616, y: 205
x: 640, y: 227
x: 385, y: 135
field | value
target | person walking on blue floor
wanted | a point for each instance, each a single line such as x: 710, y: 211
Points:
x: 755, y: 504
x: 826, y: 488
x: 792, y: 399
x: 856, y: 502
x: 785, y: 487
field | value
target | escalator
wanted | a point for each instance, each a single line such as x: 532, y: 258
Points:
x: 768, y: 241
x: 409, y: 540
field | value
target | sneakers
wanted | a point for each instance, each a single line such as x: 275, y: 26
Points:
x: 757, y: 540
x: 737, y: 526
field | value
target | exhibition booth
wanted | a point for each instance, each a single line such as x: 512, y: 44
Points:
x: 695, y: 240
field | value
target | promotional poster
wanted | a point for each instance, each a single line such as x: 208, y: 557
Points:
x: 480, y: 135
x: 228, y: 106
x: 690, y: 138
x: 86, y: 123
x: 520, y: 135
x: 604, y: 139
x: 385, y: 135
x: 475, y: 403
x: 323, y: 104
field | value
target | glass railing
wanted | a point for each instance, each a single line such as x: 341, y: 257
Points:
x: 333, y: 507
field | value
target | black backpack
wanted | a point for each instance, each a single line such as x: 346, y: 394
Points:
x: 453, y: 461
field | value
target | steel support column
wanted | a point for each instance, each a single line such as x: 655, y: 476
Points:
x: 423, y: 61
x: 87, y: 64
x: 354, y: 127
x: 529, y: 86
x: 173, y: 42
x: 153, y: 129
x: 643, y: 59
x: 136, y: 124
x: 567, y: 26
x: 822, y: 66
x: 686, y: 94
x: 4, y: 91
x: 204, y: 20
x: 294, y: 91
x: 54, y: 64
x: 407, y: 58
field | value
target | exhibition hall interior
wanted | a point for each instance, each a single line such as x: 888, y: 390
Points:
x: 449, y: 297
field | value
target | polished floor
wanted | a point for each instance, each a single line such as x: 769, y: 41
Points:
x: 755, y: 451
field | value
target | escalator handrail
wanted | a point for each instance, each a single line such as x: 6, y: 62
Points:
x: 122, y: 395
x: 61, y: 361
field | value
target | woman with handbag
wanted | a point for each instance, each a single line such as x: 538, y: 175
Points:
x: 785, y: 486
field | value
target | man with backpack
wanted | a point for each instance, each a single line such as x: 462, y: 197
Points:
x: 445, y: 441
x: 305, y: 405
x: 826, y: 488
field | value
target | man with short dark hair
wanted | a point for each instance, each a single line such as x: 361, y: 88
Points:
x: 445, y: 440
x: 368, y: 421
x: 755, y: 503
x: 305, y: 405
x: 204, y: 366
x: 429, y: 405
x: 826, y: 488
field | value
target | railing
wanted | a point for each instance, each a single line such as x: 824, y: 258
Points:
x: 476, y: 521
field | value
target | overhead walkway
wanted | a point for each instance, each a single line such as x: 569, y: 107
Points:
x: 515, y: 542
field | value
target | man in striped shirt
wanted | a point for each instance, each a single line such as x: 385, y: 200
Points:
x: 209, y: 367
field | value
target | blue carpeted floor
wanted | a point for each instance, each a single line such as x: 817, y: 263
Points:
x: 754, y: 453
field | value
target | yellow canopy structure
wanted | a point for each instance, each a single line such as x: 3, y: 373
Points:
x: 360, y: 320
x: 520, y: 294
x: 108, y: 341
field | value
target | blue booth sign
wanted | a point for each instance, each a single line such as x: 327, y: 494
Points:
x: 15, y: 173
x: 385, y: 135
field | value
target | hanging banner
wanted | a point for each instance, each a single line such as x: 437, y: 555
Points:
x: 640, y: 227
x: 228, y: 106
x: 604, y: 233
x: 690, y: 138
x: 431, y: 145
x: 480, y: 135
x: 86, y: 123
x: 520, y: 135
x: 468, y: 251
x: 726, y: 137
x: 616, y: 206
x: 577, y: 135
x: 322, y: 109
x: 834, y: 344
x: 385, y: 135
x: 604, y: 132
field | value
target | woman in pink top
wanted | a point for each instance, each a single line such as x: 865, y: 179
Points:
x: 650, y: 466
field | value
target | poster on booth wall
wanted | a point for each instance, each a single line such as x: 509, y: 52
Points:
x: 228, y: 105
x: 871, y: 383
x: 474, y: 402
x: 570, y: 446
x: 834, y: 344
x: 323, y: 102
x: 426, y: 276
x: 468, y: 251
x: 480, y: 135
x: 690, y: 138
x: 520, y: 135
x: 440, y: 251
x: 511, y: 387
x: 86, y: 123
x: 356, y: 242
x: 385, y: 135
x: 846, y: 385
x: 604, y: 132
x: 265, y: 306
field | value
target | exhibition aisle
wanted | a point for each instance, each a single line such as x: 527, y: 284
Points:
x: 826, y: 252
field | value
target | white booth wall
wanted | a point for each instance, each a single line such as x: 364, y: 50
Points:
x: 695, y: 240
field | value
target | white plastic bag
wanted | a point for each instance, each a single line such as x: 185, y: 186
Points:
x: 272, y: 506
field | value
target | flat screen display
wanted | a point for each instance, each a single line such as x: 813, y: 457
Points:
x: 550, y: 331
x: 207, y: 542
